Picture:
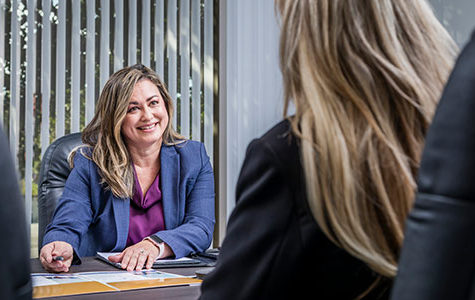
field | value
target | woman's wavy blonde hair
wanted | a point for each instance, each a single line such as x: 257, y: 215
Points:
x: 365, y: 77
x: 103, y: 133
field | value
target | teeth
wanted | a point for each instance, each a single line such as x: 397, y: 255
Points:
x: 147, y: 127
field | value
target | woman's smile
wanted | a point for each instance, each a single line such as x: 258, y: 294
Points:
x: 148, y: 127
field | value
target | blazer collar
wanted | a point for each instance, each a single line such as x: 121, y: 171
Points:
x: 169, y: 178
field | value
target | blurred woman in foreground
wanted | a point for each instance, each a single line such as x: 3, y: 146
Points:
x: 323, y: 196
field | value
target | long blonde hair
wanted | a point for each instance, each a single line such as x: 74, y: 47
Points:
x: 103, y: 133
x: 365, y: 77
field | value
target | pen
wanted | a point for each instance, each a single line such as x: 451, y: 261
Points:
x: 56, y: 258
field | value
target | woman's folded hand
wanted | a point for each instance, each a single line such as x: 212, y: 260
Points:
x: 137, y: 256
x: 56, y: 256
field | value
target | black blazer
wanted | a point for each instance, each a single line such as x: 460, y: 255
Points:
x: 274, y: 248
x: 15, y: 282
x: 438, y: 256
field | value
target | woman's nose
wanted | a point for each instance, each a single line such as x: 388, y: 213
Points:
x: 147, y: 113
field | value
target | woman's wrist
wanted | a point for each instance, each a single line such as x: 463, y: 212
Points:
x: 163, y: 249
x: 148, y: 239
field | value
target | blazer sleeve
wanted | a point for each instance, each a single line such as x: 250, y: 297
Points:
x: 438, y: 256
x: 257, y: 229
x: 73, y: 213
x: 196, y: 232
x: 15, y: 275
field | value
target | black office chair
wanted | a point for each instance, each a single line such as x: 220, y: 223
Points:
x: 53, y: 174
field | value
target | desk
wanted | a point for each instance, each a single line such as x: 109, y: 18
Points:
x: 92, y: 264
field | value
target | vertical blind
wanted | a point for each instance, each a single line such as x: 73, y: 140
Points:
x: 253, y: 82
x: 56, y: 55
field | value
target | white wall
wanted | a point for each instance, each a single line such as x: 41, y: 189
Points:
x: 253, y: 93
x: 457, y: 16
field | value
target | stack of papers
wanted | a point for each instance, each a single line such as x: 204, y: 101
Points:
x: 53, y: 285
x: 159, y: 263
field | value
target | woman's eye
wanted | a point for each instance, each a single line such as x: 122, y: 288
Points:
x: 134, y: 108
x: 154, y: 102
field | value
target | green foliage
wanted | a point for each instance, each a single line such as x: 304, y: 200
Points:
x: 34, y: 188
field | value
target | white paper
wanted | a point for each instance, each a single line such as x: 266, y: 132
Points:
x: 119, y: 276
x: 157, y: 261
x: 44, y: 279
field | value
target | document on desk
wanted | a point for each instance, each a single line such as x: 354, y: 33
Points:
x: 159, y: 263
x: 53, y: 285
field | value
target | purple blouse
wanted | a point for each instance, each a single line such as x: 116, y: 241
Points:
x: 146, y: 212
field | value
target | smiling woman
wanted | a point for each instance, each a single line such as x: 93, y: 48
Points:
x: 118, y: 197
x: 146, y: 117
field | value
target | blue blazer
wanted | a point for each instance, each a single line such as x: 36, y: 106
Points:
x: 90, y: 218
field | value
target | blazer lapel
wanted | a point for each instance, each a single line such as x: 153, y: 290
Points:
x: 169, y: 179
x: 121, y: 208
